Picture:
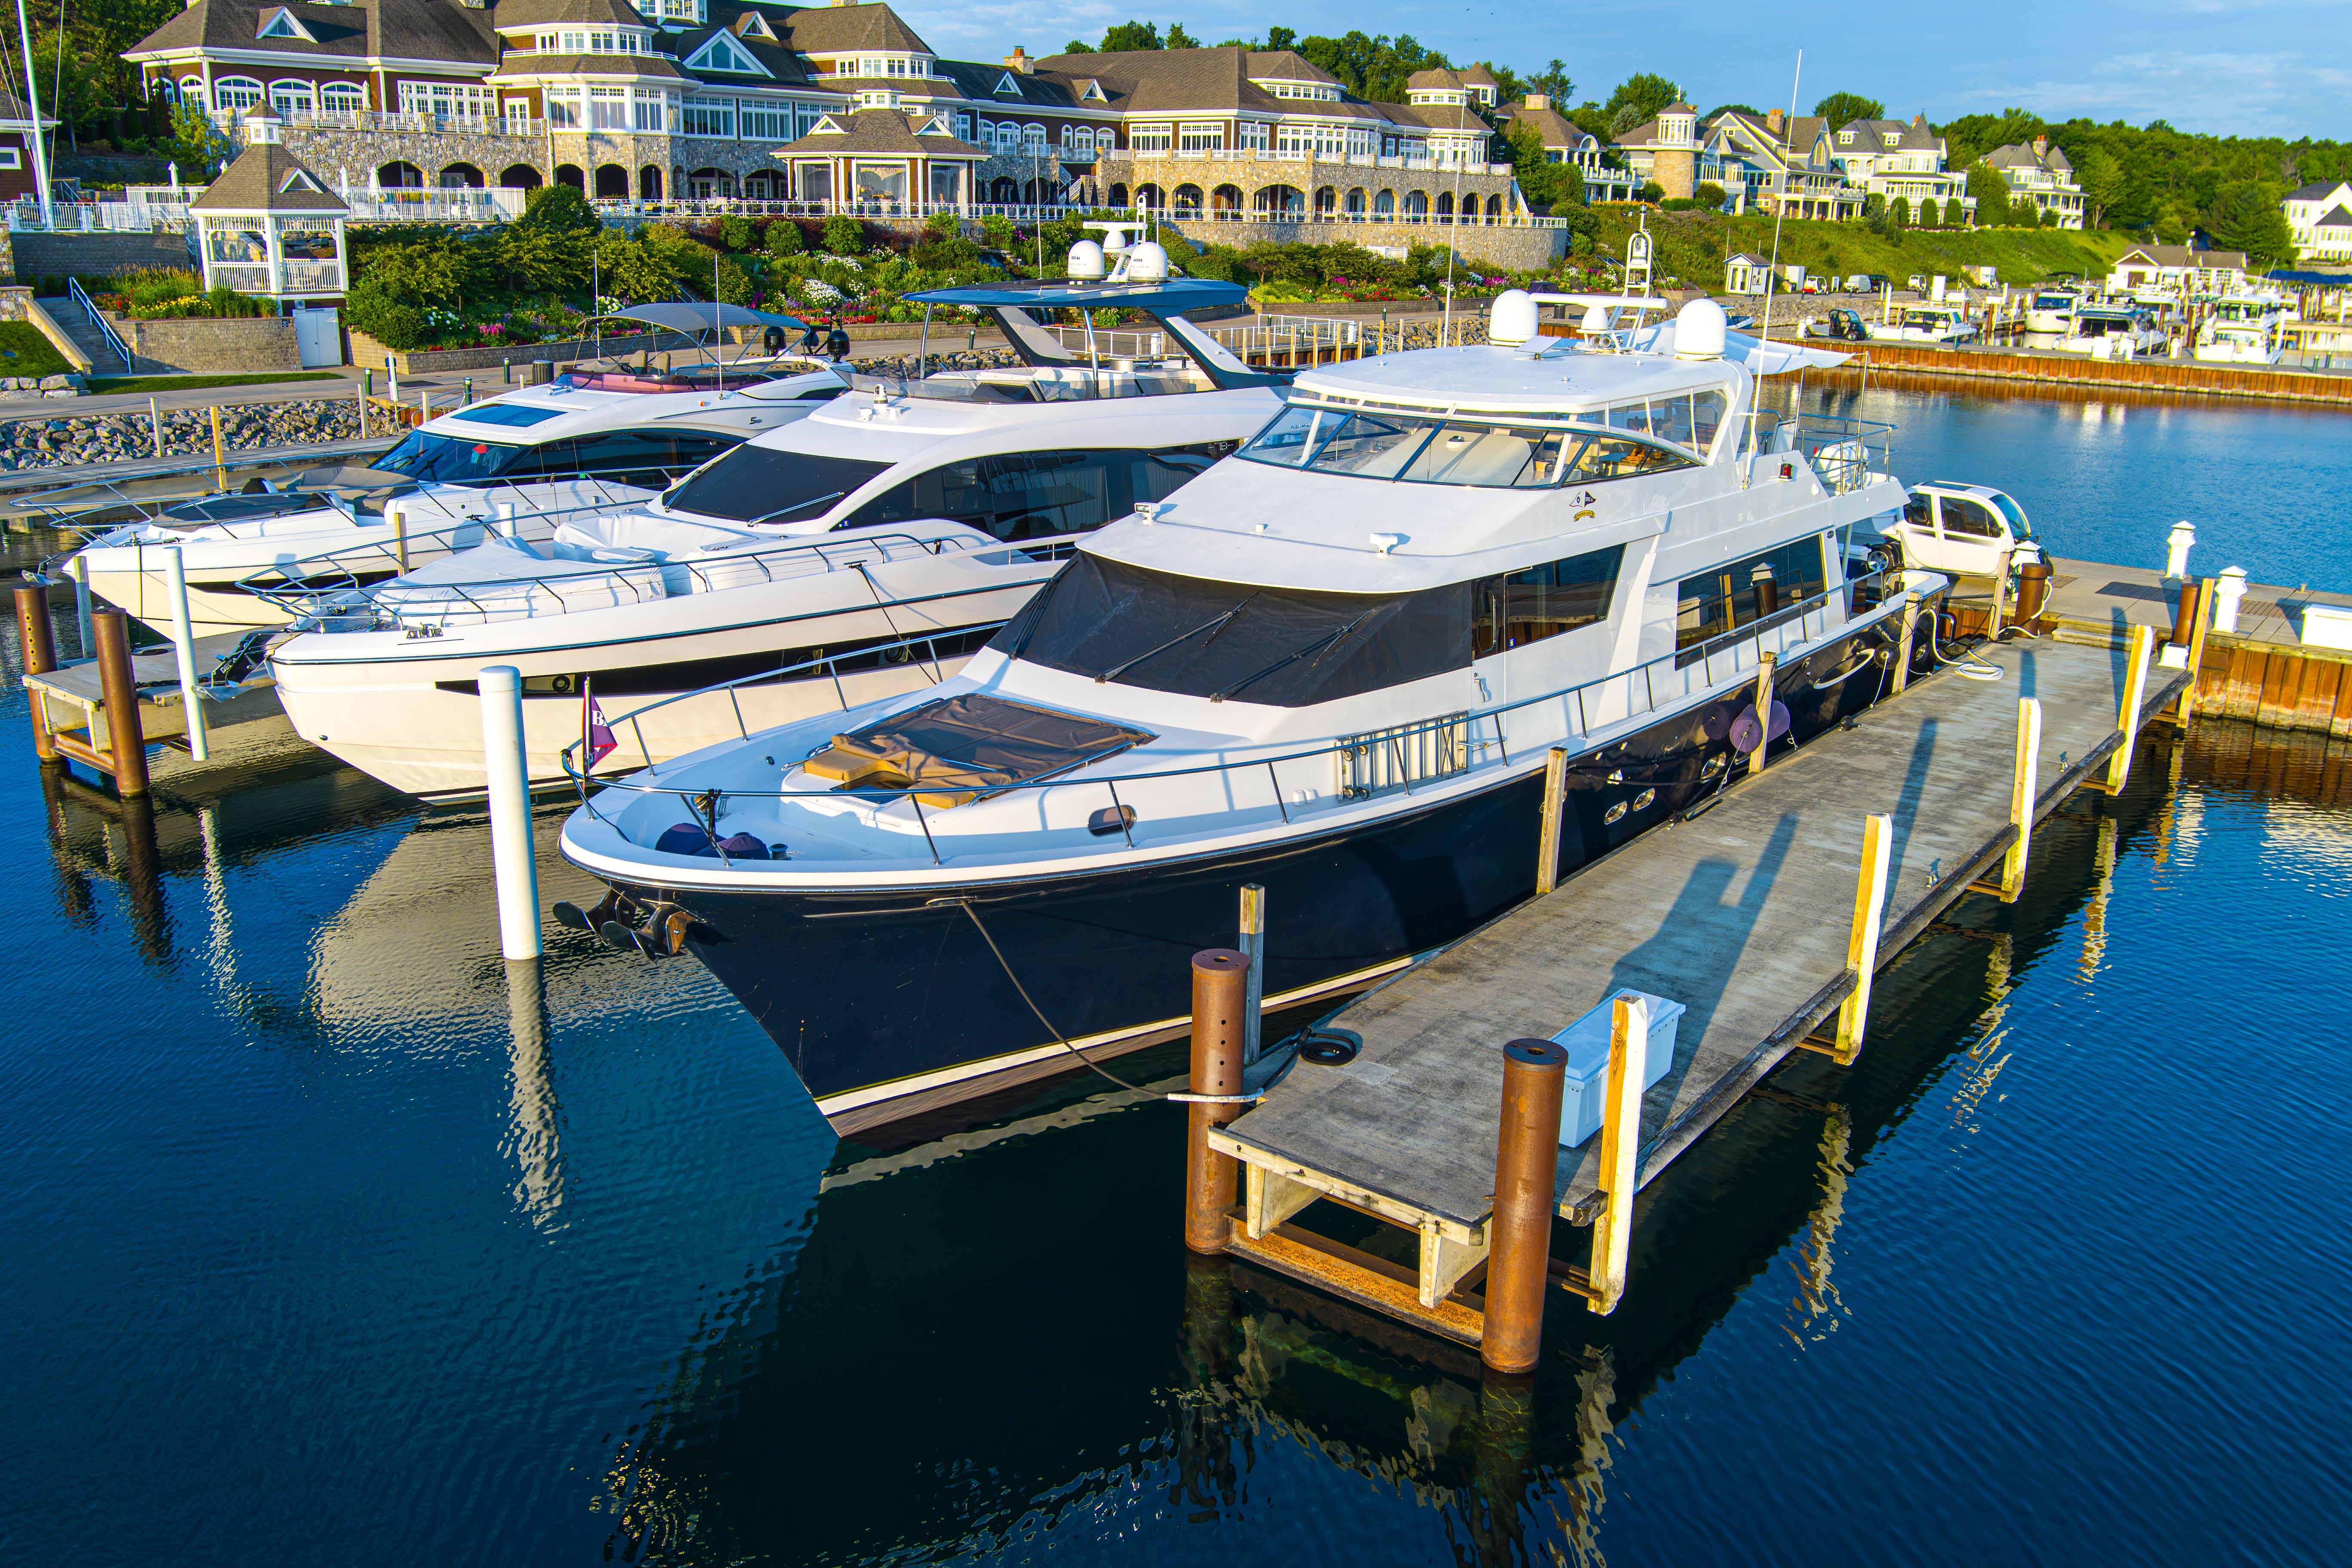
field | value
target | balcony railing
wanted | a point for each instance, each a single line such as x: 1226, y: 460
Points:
x: 1299, y: 155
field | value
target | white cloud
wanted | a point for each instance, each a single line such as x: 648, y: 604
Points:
x: 2233, y: 93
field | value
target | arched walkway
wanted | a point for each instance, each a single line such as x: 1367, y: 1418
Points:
x: 461, y: 177
x: 1004, y: 191
x: 1494, y: 209
x: 1327, y: 200
x: 1445, y: 206
x: 399, y: 176
x: 612, y: 183
x: 1150, y: 196
x: 1188, y: 201
x: 1416, y: 205
x: 1284, y: 201
x: 1384, y: 207
x: 571, y: 174
x: 1356, y: 202
x: 520, y: 177
x: 1225, y: 203
x: 764, y: 186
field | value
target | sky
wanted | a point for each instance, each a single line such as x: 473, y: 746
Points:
x: 2247, y: 68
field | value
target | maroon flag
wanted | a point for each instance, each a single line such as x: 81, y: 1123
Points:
x: 593, y: 729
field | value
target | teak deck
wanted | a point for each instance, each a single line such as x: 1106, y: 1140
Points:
x: 1741, y: 913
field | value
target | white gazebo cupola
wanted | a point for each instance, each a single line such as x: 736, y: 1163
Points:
x: 269, y: 225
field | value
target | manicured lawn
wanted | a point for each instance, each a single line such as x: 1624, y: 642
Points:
x: 116, y: 384
x: 23, y: 351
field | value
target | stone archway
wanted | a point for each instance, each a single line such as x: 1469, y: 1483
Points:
x: 1188, y: 201
x: 1416, y: 207
x: 705, y: 183
x: 1356, y: 202
x: 399, y: 176
x: 762, y: 185
x: 1004, y: 191
x: 1384, y: 207
x: 1494, y: 209
x: 571, y: 174
x: 1150, y: 195
x: 520, y: 177
x: 1327, y: 200
x: 1280, y: 201
x: 461, y: 177
x: 1445, y: 206
x: 649, y: 183
x: 1225, y: 204
x: 612, y: 183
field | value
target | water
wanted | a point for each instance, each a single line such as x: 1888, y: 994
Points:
x: 321, y: 1249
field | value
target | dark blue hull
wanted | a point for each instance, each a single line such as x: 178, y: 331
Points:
x: 888, y: 1005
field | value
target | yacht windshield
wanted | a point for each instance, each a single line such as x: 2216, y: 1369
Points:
x: 762, y: 484
x: 421, y: 456
x: 1432, y: 450
x: 2015, y: 514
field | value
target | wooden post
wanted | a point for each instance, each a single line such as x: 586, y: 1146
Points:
x: 1220, y: 982
x: 155, y: 424
x: 2143, y: 648
x: 399, y: 515
x: 1861, y: 939
x: 1252, y: 947
x: 1555, y: 806
x: 1768, y: 665
x: 2022, y: 797
x: 126, y: 740
x: 220, y: 458
x: 2187, y: 707
x: 1903, y: 646
x: 39, y: 641
x: 1620, y: 1151
x: 1527, y: 1184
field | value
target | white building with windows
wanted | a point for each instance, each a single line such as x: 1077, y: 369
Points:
x: 2039, y: 174
x: 1889, y: 158
x: 2319, y: 216
x: 1564, y: 141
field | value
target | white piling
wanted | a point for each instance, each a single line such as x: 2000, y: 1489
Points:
x: 2227, y: 589
x: 508, y: 771
x: 507, y: 524
x: 79, y: 569
x: 2176, y: 549
x: 155, y: 424
x: 183, y: 648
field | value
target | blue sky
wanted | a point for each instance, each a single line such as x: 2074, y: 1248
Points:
x: 2264, y: 67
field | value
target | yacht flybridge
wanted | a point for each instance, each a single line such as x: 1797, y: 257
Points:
x: 868, y: 549
x: 1334, y: 666
x: 602, y: 434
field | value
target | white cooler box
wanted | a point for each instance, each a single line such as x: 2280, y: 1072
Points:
x: 1586, y: 1040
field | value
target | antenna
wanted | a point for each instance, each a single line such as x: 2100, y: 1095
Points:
x: 1773, y: 268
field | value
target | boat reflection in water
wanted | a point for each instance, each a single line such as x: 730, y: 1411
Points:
x: 971, y: 1298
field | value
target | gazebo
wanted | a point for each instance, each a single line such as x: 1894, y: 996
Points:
x: 883, y: 161
x: 269, y: 225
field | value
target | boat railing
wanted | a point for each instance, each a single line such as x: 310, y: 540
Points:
x: 1843, y: 451
x: 1423, y: 752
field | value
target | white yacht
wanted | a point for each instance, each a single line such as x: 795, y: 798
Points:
x: 2113, y: 332
x: 2259, y: 341
x: 2050, y: 313
x: 1333, y: 665
x: 874, y: 544
x: 1928, y: 323
x: 599, y: 435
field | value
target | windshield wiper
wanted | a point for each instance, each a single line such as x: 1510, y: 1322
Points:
x: 1117, y: 671
x: 796, y: 506
x: 1324, y: 641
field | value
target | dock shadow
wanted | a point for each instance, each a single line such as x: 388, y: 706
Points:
x: 1695, y: 950
x: 1906, y: 808
x: 2028, y: 674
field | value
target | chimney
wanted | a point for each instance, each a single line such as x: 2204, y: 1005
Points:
x: 1920, y: 121
x: 1772, y: 121
x: 1019, y: 60
x: 2041, y: 146
x: 1539, y: 101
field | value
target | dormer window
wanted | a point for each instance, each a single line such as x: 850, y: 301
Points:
x: 878, y: 98
x: 722, y: 53
x: 280, y: 23
x: 754, y: 25
x: 1006, y: 87
x: 1845, y: 138
x: 1891, y: 138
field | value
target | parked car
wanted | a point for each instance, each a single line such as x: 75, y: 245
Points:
x: 1964, y: 530
x: 1840, y: 324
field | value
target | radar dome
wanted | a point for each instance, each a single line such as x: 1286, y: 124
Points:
x: 1698, y: 331
x: 1086, y: 259
x: 1147, y: 262
x: 1511, y: 319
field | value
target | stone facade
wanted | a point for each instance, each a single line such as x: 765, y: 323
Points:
x: 59, y: 255
x: 209, y: 346
x: 1264, y: 184
x: 1522, y: 249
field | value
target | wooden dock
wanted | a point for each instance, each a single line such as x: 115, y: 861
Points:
x: 2051, y: 368
x: 1746, y: 912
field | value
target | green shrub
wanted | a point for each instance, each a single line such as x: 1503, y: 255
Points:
x: 370, y: 309
x: 560, y: 207
x: 844, y: 235
x: 784, y: 239
x: 735, y: 233
x: 1708, y: 194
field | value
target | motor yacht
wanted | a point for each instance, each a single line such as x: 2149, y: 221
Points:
x: 1333, y: 665
x: 1928, y: 323
x: 2256, y: 341
x: 871, y: 546
x: 602, y: 434
x: 2050, y: 314
x: 2113, y: 332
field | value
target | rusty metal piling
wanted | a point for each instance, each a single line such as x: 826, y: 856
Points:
x: 1526, y: 1179
x: 1211, y: 1180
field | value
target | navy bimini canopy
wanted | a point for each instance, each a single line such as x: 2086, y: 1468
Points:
x: 704, y: 316
x: 1170, y: 296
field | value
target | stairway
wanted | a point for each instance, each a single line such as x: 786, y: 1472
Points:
x: 77, y: 326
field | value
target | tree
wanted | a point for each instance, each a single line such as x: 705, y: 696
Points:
x: 1131, y: 36
x: 2101, y: 179
x: 1708, y: 194
x: 1991, y: 193
x: 1721, y: 110
x: 1552, y: 82
x: 1541, y: 181
x: 559, y: 209
x: 783, y: 238
x: 1281, y: 38
x: 1845, y: 108
x: 196, y: 142
x: 1931, y: 215
x: 1650, y: 192
x: 844, y: 235
x: 1899, y: 212
x: 1178, y: 38
x: 2245, y: 217
x: 1646, y: 92
x: 1376, y: 67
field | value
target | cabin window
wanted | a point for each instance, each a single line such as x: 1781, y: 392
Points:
x: 1427, y: 450
x: 1037, y: 495
x: 1522, y: 607
x: 422, y: 456
x: 1968, y: 519
x: 1195, y: 636
x: 752, y: 484
x: 1724, y: 598
x: 1688, y: 419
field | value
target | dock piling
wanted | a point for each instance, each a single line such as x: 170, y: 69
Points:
x: 2143, y: 647
x: 1767, y: 665
x: 79, y: 570
x: 220, y: 455
x: 2033, y: 591
x: 1555, y: 805
x: 516, y: 872
x: 1212, y: 1180
x: 1903, y: 645
x: 126, y: 741
x: 2200, y: 620
x: 1861, y: 939
x: 2021, y: 795
x: 1620, y: 1149
x: 155, y: 424
x: 1526, y: 1183
x: 38, y: 642
x: 184, y: 652
x: 2188, y: 618
x: 1252, y: 947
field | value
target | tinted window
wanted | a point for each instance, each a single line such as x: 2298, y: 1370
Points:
x: 1968, y: 520
x: 650, y: 458
x: 1919, y: 511
x: 1285, y: 648
x: 431, y: 456
x: 1728, y: 597
x: 1522, y: 607
x: 1037, y: 495
x: 754, y: 483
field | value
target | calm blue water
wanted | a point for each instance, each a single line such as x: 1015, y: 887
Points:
x: 323, y: 1249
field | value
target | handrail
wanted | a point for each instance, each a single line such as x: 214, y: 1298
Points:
x: 105, y: 328
x: 1465, y: 720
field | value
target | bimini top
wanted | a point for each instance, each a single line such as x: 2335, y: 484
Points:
x: 702, y: 316
x: 1507, y: 380
x: 1164, y: 297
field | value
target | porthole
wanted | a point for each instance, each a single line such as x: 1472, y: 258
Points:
x: 1614, y: 814
x: 1643, y: 801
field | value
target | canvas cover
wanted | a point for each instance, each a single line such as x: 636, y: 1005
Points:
x: 961, y: 746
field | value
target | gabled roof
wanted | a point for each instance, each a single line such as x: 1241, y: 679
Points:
x: 266, y: 178
x: 1436, y: 116
x: 2337, y: 217
x: 2319, y: 192
x: 720, y: 52
x: 593, y: 12
x: 1286, y: 65
x: 14, y: 112
x: 1552, y: 128
x: 837, y: 29
x: 880, y: 130
x: 1909, y: 136
x: 2022, y: 156
x: 2182, y: 256
x: 977, y: 81
x: 430, y: 30
x: 1172, y: 81
x: 639, y: 68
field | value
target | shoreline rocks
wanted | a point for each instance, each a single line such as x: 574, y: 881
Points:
x: 44, y: 442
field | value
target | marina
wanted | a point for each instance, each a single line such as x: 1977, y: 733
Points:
x: 608, y: 1162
